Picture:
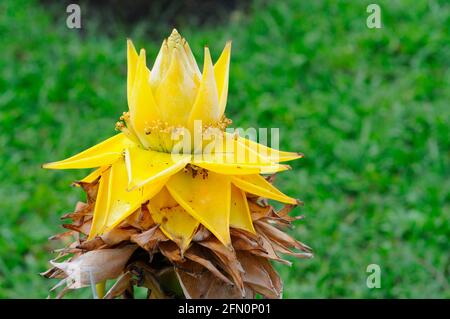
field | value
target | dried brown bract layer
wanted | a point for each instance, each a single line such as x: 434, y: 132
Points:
x: 137, y: 253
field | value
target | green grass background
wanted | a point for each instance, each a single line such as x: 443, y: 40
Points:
x: 368, y: 107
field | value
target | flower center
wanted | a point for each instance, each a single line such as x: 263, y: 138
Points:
x: 161, y: 136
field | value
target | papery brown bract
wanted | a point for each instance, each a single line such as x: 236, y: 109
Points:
x: 137, y: 253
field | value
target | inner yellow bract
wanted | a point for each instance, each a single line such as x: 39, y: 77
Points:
x: 174, y: 94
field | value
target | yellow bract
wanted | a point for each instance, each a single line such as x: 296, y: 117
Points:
x: 256, y: 184
x: 142, y: 104
x: 114, y: 202
x: 181, y: 191
x: 239, y: 212
x: 174, y: 221
x: 221, y: 74
x: 145, y: 166
x: 206, y: 105
x: 206, y: 198
x: 101, y: 154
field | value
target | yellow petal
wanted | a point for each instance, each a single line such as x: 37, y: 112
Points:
x: 114, y: 202
x: 176, y: 41
x: 222, y: 166
x: 191, y: 58
x: 146, y: 166
x: 227, y: 155
x: 94, y: 175
x: 160, y: 66
x: 174, y: 221
x: 102, y: 154
x: 132, y: 59
x: 176, y: 93
x: 206, y: 198
x: 102, y: 202
x: 270, y: 153
x: 239, y: 212
x: 120, y: 210
x: 228, y: 168
x: 221, y: 73
x: 143, y: 108
x: 206, y: 106
x: 256, y: 184
x: 275, y: 168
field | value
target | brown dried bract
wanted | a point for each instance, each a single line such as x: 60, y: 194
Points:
x: 137, y: 253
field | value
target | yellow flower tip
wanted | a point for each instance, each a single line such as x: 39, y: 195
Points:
x: 208, y: 60
x: 142, y: 54
x: 227, y: 48
x: 175, y: 39
x: 130, y: 44
x: 175, y: 35
x: 48, y: 165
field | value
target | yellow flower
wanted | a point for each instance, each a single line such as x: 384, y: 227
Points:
x: 205, y: 185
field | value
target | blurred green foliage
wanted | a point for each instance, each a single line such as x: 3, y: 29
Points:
x: 369, y: 108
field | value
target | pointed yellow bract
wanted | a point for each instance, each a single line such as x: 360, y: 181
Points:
x: 230, y: 156
x: 114, y: 202
x: 239, y: 212
x: 102, y: 202
x: 143, y: 109
x: 176, y: 92
x: 256, y: 184
x: 206, y: 106
x: 191, y: 59
x: 228, y: 168
x: 121, y: 202
x: 160, y: 67
x: 120, y: 210
x: 221, y: 73
x: 149, y: 166
x: 102, y: 154
x: 94, y: 175
x: 269, y: 153
x: 173, y: 219
x: 132, y: 59
x: 206, y: 198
